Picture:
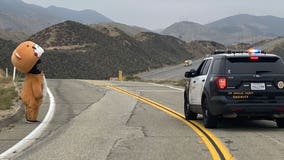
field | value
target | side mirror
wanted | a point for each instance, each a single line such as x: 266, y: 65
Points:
x: 191, y: 73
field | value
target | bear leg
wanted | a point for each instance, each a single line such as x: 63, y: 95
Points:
x: 32, y: 113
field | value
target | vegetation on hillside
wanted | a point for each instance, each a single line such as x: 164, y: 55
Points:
x: 99, y: 55
x: 6, y: 49
x: 274, y: 46
x: 201, y: 48
x: 240, y: 46
x: 279, y: 50
x: 69, y: 33
x: 13, y: 36
x: 129, y: 30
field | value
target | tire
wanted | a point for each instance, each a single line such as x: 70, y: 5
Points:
x: 209, y: 120
x: 189, y: 115
x: 280, y: 122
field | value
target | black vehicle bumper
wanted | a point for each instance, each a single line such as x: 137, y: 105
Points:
x: 220, y: 105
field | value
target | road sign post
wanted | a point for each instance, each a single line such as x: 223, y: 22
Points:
x: 120, y: 77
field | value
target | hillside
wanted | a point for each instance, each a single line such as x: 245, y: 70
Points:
x: 231, y: 30
x: 279, y: 50
x: 18, y: 16
x: 6, y: 49
x: 14, y: 36
x: 188, y: 31
x: 255, y: 25
x: 129, y: 30
x: 269, y: 44
x: 84, y: 16
x: 202, y: 48
x: 163, y: 49
x: 69, y: 33
x: 275, y: 46
x: 240, y: 46
x: 74, y: 50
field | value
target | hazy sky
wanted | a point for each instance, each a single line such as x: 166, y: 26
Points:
x: 154, y: 14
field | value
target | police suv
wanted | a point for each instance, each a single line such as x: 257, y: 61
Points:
x: 236, y: 84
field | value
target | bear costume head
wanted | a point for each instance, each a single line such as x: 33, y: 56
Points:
x: 26, y: 56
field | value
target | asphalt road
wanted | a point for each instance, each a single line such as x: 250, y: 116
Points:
x: 94, y: 122
x: 169, y: 73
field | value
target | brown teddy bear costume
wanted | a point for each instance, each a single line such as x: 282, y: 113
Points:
x: 25, y: 58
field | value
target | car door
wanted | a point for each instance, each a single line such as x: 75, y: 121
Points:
x: 197, y: 82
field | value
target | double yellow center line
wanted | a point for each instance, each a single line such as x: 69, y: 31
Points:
x: 216, y: 148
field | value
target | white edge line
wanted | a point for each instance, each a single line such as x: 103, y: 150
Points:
x: 34, y: 135
x: 179, y: 89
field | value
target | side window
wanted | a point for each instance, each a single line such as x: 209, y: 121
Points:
x: 206, y: 67
x: 217, y: 66
x: 198, y: 71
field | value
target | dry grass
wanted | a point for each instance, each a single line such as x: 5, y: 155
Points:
x: 108, y: 30
x: 2, y: 74
x: 7, y: 93
x: 66, y: 47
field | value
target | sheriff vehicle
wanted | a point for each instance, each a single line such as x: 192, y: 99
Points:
x: 236, y: 84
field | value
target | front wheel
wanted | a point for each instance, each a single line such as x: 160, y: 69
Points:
x: 280, y: 122
x: 209, y: 120
x: 189, y: 115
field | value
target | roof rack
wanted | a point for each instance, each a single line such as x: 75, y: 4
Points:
x: 237, y: 51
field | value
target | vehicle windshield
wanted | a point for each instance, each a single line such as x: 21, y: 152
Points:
x: 261, y: 65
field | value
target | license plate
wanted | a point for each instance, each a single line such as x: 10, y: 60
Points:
x: 257, y: 86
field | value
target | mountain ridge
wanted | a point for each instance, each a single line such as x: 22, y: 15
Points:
x: 240, y: 28
x: 16, y: 16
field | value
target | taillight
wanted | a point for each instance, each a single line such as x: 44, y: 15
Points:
x: 221, y: 82
x: 254, y: 58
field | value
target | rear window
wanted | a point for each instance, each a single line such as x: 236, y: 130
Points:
x: 254, y: 65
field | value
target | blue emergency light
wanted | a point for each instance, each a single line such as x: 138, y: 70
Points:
x: 254, y: 51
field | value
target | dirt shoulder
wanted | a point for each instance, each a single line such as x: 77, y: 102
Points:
x: 4, y: 114
x: 9, y: 105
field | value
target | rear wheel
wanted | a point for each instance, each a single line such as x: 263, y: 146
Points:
x: 209, y: 120
x: 280, y: 122
x: 189, y: 115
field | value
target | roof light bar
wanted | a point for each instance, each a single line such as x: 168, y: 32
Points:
x: 252, y: 50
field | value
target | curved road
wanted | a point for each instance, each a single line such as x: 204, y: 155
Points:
x: 169, y: 73
x: 94, y: 122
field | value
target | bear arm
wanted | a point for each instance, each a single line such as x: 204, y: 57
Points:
x: 37, y: 89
